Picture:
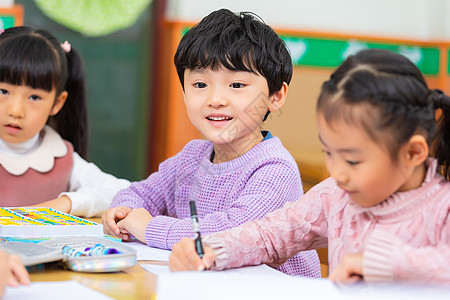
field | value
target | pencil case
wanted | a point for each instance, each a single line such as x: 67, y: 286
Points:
x: 118, y: 256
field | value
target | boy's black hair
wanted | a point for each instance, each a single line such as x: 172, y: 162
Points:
x: 35, y: 58
x: 239, y: 42
x: 394, y: 99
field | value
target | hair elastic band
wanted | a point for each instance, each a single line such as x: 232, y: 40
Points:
x: 438, y: 98
x: 66, y: 46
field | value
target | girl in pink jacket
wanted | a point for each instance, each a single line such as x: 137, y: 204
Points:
x: 385, y: 212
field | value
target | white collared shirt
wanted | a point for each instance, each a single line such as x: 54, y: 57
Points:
x: 90, y: 189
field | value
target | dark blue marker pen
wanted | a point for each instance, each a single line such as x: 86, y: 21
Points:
x: 196, y: 230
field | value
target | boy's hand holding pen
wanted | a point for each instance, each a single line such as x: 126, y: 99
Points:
x: 190, y: 255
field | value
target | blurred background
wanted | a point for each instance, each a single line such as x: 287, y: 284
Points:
x: 137, y: 116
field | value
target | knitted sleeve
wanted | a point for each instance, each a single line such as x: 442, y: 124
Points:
x: 153, y: 193
x: 388, y: 258
x: 266, y: 190
x: 299, y: 225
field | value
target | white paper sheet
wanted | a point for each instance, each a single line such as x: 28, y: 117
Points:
x: 252, y: 284
x: 244, y: 283
x: 254, y: 270
x: 394, y: 291
x: 144, y: 252
x: 155, y: 269
x: 53, y: 290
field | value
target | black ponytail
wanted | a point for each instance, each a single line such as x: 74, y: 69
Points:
x: 71, y: 122
x: 441, y: 139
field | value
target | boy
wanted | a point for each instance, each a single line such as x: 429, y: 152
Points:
x: 234, y: 71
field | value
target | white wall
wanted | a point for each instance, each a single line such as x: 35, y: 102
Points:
x: 6, y: 3
x: 405, y: 19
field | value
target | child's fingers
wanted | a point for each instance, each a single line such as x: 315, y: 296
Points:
x: 17, y: 272
x: 110, y: 218
x: 120, y: 215
x: 349, y: 269
x: 19, y: 277
x: 336, y: 275
x: 353, y: 279
x: 209, y: 258
x: 183, y: 263
x: 109, y: 222
x: 344, y: 278
x: 124, y: 234
x: 122, y: 229
x: 123, y: 225
x: 176, y: 264
x: 12, y: 281
x: 110, y: 227
x: 184, y: 257
x: 122, y: 212
x: 177, y: 259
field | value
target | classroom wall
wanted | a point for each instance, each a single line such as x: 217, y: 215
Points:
x: 414, y: 19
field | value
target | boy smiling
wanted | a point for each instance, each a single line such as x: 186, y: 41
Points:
x: 234, y: 70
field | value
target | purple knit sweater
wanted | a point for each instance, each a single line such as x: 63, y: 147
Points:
x: 226, y: 195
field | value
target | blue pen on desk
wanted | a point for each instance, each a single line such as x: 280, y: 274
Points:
x: 196, y: 230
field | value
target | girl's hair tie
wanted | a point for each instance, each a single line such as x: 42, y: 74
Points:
x: 437, y: 98
x: 66, y: 46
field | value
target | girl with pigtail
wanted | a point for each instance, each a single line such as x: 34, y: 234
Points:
x: 43, y: 133
x: 384, y: 214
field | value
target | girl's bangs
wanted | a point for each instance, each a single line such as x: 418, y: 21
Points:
x: 38, y: 70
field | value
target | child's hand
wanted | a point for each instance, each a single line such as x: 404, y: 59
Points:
x: 62, y: 203
x: 349, y: 270
x: 110, y: 219
x: 19, y: 275
x: 135, y: 223
x: 185, y: 258
x: 12, y: 272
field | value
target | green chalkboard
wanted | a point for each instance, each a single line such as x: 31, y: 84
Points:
x: 117, y: 72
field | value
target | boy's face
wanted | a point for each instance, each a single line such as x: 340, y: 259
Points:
x: 227, y: 107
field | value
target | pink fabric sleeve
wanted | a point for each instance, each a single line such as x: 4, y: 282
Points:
x: 297, y: 226
x: 388, y: 258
